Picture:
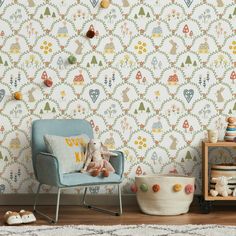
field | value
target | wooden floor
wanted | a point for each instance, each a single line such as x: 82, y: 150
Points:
x: 225, y: 215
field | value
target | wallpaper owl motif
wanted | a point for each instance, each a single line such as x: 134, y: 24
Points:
x: 154, y: 78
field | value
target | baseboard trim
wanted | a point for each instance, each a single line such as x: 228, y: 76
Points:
x: 66, y: 199
x: 75, y: 199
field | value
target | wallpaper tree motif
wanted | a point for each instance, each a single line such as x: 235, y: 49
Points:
x: 156, y: 75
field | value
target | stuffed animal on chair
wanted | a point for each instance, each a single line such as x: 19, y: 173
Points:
x: 221, y: 187
x: 97, y: 159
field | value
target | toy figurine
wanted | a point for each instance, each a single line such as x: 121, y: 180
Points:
x: 230, y: 133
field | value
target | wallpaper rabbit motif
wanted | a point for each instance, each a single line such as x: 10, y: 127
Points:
x: 156, y: 75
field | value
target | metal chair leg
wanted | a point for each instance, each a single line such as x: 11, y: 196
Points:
x: 36, y: 196
x: 57, y: 206
x: 120, y: 200
x: 84, y: 204
x: 84, y: 196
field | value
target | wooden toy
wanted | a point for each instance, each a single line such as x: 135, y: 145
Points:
x: 48, y: 82
x: 18, y: 95
x: 72, y: 59
x: 90, y: 34
x: 230, y: 133
x: 105, y: 3
x: 212, y: 135
x: 231, y: 119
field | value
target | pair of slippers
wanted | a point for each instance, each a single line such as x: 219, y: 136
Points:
x: 15, y: 218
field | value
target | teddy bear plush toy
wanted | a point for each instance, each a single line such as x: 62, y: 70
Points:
x: 97, y: 159
x: 221, y: 187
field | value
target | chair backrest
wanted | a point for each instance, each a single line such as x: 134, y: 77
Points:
x: 67, y: 127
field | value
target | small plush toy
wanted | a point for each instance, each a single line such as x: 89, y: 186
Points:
x: 234, y: 193
x: 12, y: 218
x: 97, y: 159
x: 221, y: 187
x: 27, y: 217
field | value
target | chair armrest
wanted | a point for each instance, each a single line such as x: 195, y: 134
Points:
x: 48, y: 170
x: 118, y: 162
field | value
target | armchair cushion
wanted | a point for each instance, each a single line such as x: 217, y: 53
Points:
x: 70, y: 151
x: 74, y: 179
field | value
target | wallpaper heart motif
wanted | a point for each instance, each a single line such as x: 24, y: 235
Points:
x: 188, y: 2
x: 94, y: 2
x: 94, y: 94
x: 188, y: 94
x: 154, y: 78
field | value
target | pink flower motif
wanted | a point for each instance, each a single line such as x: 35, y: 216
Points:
x: 189, y: 189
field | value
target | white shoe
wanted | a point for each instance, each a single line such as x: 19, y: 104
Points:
x: 12, y: 218
x: 27, y: 217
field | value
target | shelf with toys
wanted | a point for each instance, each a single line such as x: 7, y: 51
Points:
x: 224, y: 193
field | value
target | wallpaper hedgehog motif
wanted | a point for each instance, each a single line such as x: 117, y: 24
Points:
x: 154, y: 77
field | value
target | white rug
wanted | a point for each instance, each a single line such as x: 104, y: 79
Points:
x: 120, y: 230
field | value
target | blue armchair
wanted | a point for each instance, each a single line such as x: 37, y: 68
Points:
x: 46, y: 166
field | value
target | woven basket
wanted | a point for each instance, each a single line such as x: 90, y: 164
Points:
x: 156, y: 194
x: 227, y: 170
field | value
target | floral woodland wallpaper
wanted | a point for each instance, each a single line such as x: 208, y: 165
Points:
x: 154, y: 78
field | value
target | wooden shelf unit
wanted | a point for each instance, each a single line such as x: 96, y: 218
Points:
x: 219, y: 198
x: 205, y: 174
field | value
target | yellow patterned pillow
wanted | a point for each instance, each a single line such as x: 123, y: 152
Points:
x: 70, y: 151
